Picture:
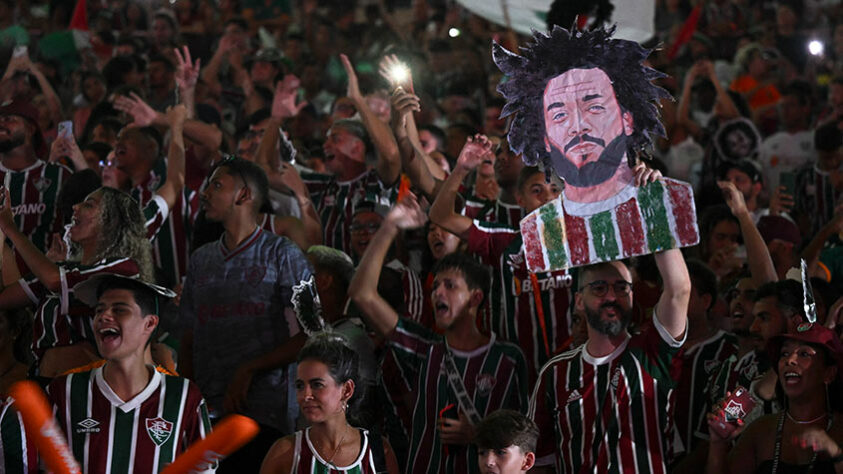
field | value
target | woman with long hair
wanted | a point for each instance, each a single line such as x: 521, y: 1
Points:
x: 807, y: 435
x: 107, y: 234
x: 325, y: 377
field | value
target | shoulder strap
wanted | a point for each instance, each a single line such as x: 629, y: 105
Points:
x: 455, y: 379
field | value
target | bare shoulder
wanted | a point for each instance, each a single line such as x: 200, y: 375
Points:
x: 279, y: 459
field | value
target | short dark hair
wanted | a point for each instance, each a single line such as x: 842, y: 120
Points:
x: 828, y: 137
x: 550, y: 55
x: 703, y: 279
x: 711, y: 217
x: 160, y: 58
x: 252, y: 174
x: 503, y: 428
x: 146, y: 299
x: 437, y: 133
x: 476, y: 275
x: 788, y: 294
x: 799, y: 89
x: 526, y: 173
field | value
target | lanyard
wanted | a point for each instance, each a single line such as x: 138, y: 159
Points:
x: 455, y: 379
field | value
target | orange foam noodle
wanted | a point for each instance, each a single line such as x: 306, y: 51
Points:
x: 403, y: 187
x: 41, y: 427
x: 228, y: 436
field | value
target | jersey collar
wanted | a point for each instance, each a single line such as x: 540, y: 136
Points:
x: 126, y: 407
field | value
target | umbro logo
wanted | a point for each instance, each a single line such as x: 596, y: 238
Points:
x: 88, y: 425
x: 574, y: 396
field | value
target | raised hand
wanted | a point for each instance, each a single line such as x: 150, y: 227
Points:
x: 396, y: 73
x: 780, y: 202
x: 404, y: 103
x: 734, y: 198
x: 407, y: 213
x: 7, y: 219
x: 292, y: 180
x: 142, y: 114
x: 176, y: 115
x: 187, y: 71
x: 475, y: 151
x: 286, y: 94
x: 353, y: 89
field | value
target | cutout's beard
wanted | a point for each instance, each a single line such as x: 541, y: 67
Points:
x: 595, y: 172
x: 611, y: 327
x: 11, y: 143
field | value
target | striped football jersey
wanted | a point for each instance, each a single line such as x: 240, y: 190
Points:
x: 699, y: 364
x: 494, y: 376
x: 171, y: 245
x: 611, y: 413
x: 141, y: 435
x: 34, y: 191
x: 61, y: 319
x: 306, y: 460
x: 815, y: 196
x: 335, y: 202
x: 539, y: 324
x: 495, y: 211
x: 18, y: 454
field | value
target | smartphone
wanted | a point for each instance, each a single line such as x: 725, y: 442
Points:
x: 20, y: 51
x: 66, y: 129
x: 737, y: 407
x: 788, y: 180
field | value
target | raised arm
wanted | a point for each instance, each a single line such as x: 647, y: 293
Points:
x: 389, y: 159
x: 44, y: 269
x: 672, y: 307
x: 403, y: 104
x: 143, y: 116
x: 187, y: 74
x: 442, y: 211
x: 363, y: 289
x: 173, y: 185
x: 683, y: 112
x: 758, y: 257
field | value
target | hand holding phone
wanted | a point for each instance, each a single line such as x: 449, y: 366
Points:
x: 735, y: 408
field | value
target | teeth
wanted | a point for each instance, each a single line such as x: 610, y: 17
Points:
x: 109, y: 331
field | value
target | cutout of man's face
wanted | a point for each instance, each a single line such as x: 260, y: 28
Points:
x: 586, y: 130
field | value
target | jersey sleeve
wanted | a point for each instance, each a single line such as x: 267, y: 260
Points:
x: 489, y: 240
x: 18, y: 454
x: 541, y: 411
x: 33, y: 288
x: 154, y: 214
x: 657, y: 349
x: 410, y: 343
x: 196, y: 424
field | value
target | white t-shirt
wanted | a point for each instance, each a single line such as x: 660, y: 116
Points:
x: 784, y: 151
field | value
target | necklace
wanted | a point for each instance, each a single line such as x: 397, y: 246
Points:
x: 339, y: 445
x: 806, y: 422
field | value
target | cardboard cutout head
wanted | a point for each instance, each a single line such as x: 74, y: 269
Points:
x: 580, y: 101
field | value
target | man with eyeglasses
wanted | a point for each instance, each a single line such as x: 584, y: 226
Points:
x: 604, y: 406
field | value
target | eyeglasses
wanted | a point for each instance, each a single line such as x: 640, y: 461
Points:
x: 368, y: 228
x: 601, y: 287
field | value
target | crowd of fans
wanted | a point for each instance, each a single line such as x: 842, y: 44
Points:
x: 181, y: 180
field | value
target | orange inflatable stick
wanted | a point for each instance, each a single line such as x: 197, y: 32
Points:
x: 228, y: 436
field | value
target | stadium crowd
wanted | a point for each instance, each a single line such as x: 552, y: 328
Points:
x: 307, y: 212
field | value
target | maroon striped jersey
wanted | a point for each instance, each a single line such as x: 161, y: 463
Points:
x: 515, y: 314
x: 495, y: 211
x: 611, y: 413
x: 141, y: 435
x: 306, y: 460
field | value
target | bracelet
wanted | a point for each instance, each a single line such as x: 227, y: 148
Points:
x: 838, y: 458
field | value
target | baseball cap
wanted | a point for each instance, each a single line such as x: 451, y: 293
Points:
x: 778, y: 227
x: 811, y: 333
x: 27, y: 111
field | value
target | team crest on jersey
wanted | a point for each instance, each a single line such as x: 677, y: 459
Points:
x: 159, y: 430
x: 485, y: 384
x: 516, y: 260
x: 254, y: 274
x: 88, y: 425
x: 616, y: 378
x: 153, y: 183
x: 749, y: 371
x: 329, y: 201
x: 574, y: 396
x: 41, y: 184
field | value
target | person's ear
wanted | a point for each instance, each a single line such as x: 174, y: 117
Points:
x: 579, y: 304
x: 476, y: 297
x: 706, y: 300
x: 831, y: 374
x: 347, y: 389
x: 244, y: 195
x: 150, y: 322
x: 529, y: 461
x: 547, y: 144
x: 628, y: 124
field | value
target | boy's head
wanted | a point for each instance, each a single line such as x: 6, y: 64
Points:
x: 125, y: 313
x: 460, y: 285
x: 506, y: 443
x: 534, y: 190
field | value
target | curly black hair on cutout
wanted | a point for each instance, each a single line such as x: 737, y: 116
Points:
x: 551, y: 55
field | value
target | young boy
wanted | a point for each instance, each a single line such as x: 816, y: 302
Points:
x: 126, y: 416
x: 506, y: 443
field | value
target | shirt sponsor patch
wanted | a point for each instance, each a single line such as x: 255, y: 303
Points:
x: 88, y: 425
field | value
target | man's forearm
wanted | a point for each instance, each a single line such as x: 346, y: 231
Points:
x: 761, y: 266
x: 363, y: 289
x: 285, y: 354
x: 672, y: 307
x: 389, y: 161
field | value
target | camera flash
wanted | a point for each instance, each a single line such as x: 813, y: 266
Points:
x: 454, y: 32
x: 816, y: 47
x: 399, y: 73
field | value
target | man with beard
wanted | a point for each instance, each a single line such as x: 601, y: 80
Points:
x: 33, y: 184
x: 604, y: 406
x: 583, y: 104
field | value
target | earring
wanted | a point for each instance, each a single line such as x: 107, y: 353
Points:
x: 344, y: 406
